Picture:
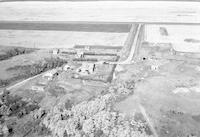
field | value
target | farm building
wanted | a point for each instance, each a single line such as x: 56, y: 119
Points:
x: 50, y: 74
x: 86, y: 68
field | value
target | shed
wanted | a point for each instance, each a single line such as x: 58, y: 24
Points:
x: 87, y: 48
x: 67, y: 67
x: 49, y: 75
x: 80, y: 54
x: 55, y: 51
x: 38, y: 88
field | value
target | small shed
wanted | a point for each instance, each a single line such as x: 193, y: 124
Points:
x: 80, y: 54
x: 155, y: 64
x: 87, y: 48
x: 68, y: 66
x: 37, y: 88
x: 50, y: 74
x: 155, y: 67
x: 55, y: 51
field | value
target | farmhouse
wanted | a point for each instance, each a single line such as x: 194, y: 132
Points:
x: 86, y: 68
x: 50, y: 74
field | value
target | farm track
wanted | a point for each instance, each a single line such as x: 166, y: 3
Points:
x: 24, y: 81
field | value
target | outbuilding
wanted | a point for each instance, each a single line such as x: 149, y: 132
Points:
x: 50, y: 74
x: 38, y: 88
x: 55, y: 51
x: 80, y: 54
x: 67, y: 67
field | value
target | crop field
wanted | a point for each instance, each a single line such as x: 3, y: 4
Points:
x: 101, y: 11
x: 184, y: 38
x: 59, y: 39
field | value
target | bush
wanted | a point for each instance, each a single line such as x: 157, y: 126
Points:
x: 93, y: 118
x: 122, y: 88
x: 15, y: 51
x: 14, y: 105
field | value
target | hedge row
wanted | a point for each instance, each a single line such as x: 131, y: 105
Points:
x: 14, y: 52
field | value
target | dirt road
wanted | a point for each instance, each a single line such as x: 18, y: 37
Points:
x: 134, y: 46
x: 24, y: 81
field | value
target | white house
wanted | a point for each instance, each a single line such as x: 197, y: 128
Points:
x: 66, y: 67
x: 55, y: 51
x: 80, y: 54
x: 87, y: 48
x: 49, y: 74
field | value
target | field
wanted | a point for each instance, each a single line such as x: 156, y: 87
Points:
x: 172, y: 114
x: 16, y: 60
x: 59, y: 39
x: 167, y: 87
x: 10, y: 76
x: 184, y: 38
x: 101, y: 11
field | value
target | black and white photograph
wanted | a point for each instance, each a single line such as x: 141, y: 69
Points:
x: 99, y: 68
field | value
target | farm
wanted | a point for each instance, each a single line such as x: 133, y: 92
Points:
x: 99, y: 69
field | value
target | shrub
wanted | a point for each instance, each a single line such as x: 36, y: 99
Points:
x: 122, y: 88
x: 92, y: 118
x: 14, y: 105
x: 15, y: 51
